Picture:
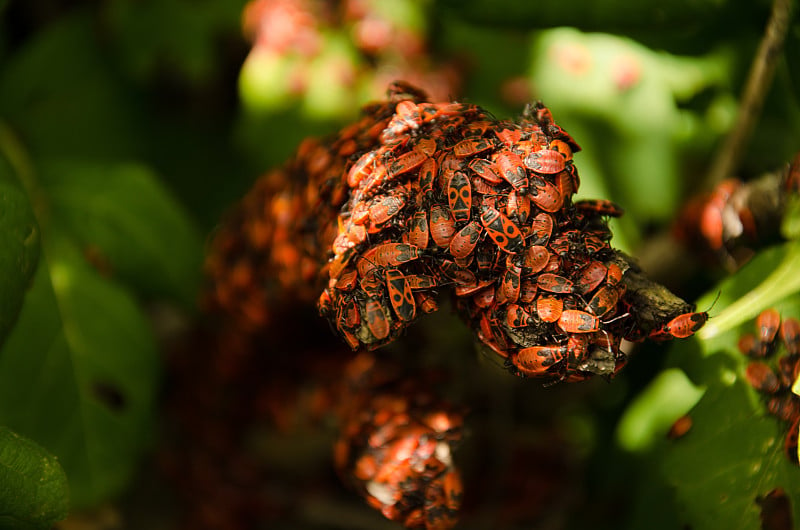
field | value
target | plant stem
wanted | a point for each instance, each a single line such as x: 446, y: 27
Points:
x: 762, y: 71
x: 783, y: 282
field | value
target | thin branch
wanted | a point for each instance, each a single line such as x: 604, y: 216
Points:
x: 762, y: 71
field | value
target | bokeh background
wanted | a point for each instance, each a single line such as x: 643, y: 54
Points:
x: 128, y: 128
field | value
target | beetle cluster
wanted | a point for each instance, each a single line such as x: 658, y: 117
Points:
x: 776, y: 384
x: 413, y: 198
x: 451, y: 196
x: 395, y: 447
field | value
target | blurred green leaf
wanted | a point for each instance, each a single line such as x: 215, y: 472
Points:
x: 669, y: 396
x: 123, y: 216
x: 790, y: 225
x: 79, y: 373
x: 19, y: 239
x: 33, y: 487
x: 175, y: 36
x: 770, y: 277
x: 733, y: 453
x: 625, y: 100
x: 60, y: 95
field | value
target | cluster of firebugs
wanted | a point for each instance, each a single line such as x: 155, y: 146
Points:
x: 451, y: 197
x: 412, y: 199
x: 395, y: 445
x: 776, y: 384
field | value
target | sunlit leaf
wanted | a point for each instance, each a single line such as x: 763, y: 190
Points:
x: 733, y: 454
x: 79, y: 373
x: 33, y: 487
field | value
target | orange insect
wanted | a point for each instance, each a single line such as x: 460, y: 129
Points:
x: 377, y: 318
x: 459, y: 196
x: 464, y: 241
x: 442, y: 225
x: 385, y: 255
x: 418, y: 234
x: 502, y: 230
x: 517, y: 317
x: 486, y: 170
x: 400, y: 295
x: 510, y: 167
x: 472, y: 146
x: 549, y: 308
x: 575, y: 321
x: 537, y: 361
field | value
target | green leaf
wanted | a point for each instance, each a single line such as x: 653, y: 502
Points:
x: 19, y: 239
x: 669, y: 396
x: 79, y: 373
x: 33, y: 487
x: 734, y: 452
x: 770, y: 277
x: 124, y: 214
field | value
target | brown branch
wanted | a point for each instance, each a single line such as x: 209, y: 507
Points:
x: 762, y: 71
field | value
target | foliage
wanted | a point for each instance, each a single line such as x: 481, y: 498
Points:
x: 127, y: 128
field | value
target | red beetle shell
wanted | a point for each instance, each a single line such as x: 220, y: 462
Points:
x: 545, y: 161
x: 790, y: 334
x: 459, y: 275
x: 575, y: 321
x: 348, y: 315
x: 442, y: 226
x: 685, y: 325
x: 418, y: 235
x: 599, y: 207
x: 517, y: 317
x: 377, y: 319
x: 510, y: 167
x: 406, y: 162
x: 486, y: 170
x: 784, y: 407
x: 472, y: 146
x: 421, y: 281
x: 347, y: 280
x: 554, y: 283
x: 361, y: 169
x: 400, y: 295
x: 508, y: 136
x: 545, y: 195
x: 527, y: 291
x: 538, y: 360
x: 562, y: 147
x: 509, y: 285
x: 565, y: 184
x: 386, y: 207
x: 427, y: 145
x: 549, y: 308
x: 427, y: 174
x: 762, y: 378
x: 536, y: 258
x: 426, y: 302
x: 590, y: 277
x: 459, y: 196
x: 767, y: 325
x: 385, y: 255
x: 747, y: 345
x: 502, y: 230
x: 604, y: 300
x: 484, y: 298
x: 541, y: 229
x: 464, y: 241
x: 518, y: 206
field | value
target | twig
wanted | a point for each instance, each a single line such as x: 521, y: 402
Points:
x: 759, y: 80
